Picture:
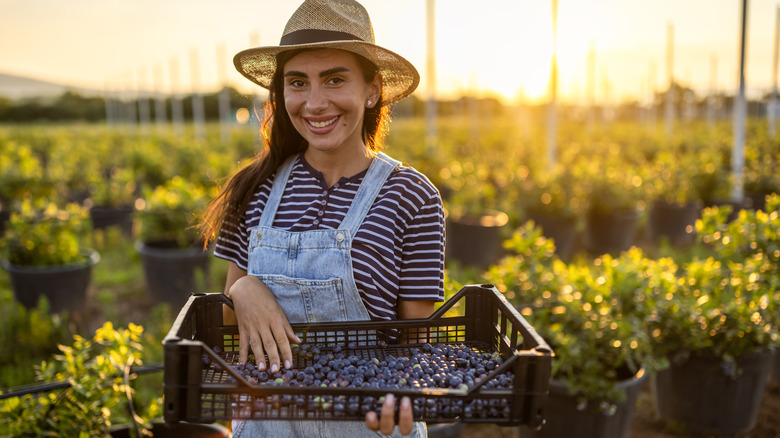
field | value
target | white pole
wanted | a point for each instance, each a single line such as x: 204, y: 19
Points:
x: 132, y: 104
x: 431, y: 132
x: 713, y: 91
x: 144, y: 113
x: 773, y: 110
x: 738, y: 153
x: 198, y: 111
x: 224, y: 94
x: 177, y: 106
x: 591, y: 89
x: 160, y: 112
x: 472, y: 108
x: 606, y: 106
x: 107, y: 102
x: 552, y: 110
x: 670, y: 92
x: 258, y: 112
x: 652, y: 71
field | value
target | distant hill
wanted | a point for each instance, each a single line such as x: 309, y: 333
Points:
x: 18, y: 87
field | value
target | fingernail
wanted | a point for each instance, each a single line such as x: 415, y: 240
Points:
x: 261, y: 366
x: 405, y: 402
x: 287, y: 364
x: 390, y: 399
x: 274, y: 368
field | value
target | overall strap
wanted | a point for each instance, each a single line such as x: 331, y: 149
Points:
x: 277, y: 190
x: 375, y: 178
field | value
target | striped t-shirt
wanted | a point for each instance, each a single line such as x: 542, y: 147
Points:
x: 398, y: 251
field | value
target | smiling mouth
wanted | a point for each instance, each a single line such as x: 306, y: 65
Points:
x: 322, y: 124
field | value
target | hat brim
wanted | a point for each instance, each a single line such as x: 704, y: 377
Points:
x: 399, y: 77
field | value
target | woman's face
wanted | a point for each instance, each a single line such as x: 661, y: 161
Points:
x: 326, y: 94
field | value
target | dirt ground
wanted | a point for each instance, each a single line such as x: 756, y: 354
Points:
x: 647, y: 425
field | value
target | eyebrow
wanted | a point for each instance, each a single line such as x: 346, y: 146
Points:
x: 323, y: 73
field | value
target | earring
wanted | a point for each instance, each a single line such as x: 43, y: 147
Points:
x: 369, y: 102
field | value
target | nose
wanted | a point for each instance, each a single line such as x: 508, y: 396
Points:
x: 316, y: 101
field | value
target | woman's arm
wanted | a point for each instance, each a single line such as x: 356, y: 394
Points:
x: 233, y: 274
x: 415, y: 310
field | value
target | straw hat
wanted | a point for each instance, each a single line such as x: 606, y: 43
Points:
x: 331, y: 24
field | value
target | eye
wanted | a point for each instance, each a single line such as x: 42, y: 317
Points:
x: 335, y: 80
x: 296, y: 83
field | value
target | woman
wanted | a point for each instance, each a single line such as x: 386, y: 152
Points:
x: 321, y: 226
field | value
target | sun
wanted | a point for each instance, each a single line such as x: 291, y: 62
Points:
x: 507, y: 54
x: 504, y: 49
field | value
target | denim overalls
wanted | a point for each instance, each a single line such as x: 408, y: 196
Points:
x: 310, y: 273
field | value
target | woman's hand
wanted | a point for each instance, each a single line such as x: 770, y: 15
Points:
x: 386, y: 422
x: 261, y: 324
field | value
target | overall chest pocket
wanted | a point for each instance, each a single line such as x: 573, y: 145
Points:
x: 306, y: 300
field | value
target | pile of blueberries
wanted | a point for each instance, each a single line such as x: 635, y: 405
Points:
x: 442, y: 366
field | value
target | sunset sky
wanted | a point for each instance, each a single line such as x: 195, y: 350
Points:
x: 501, y: 47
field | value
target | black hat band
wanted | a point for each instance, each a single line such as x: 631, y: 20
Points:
x: 308, y: 36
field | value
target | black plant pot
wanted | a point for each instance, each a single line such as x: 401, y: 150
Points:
x: 446, y: 430
x: 757, y: 200
x: 65, y: 286
x: 180, y: 430
x: 610, y: 231
x: 774, y: 375
x: 104, y: 217
x: 698, y: 395
x: 171, y: 272
x: 476, y: 240
x: 561, y: 229
x: 5, y: 216
x: 564, y: 419
x: 674, y: 222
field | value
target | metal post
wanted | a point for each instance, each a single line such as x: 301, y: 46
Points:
x: 552, y: 109
x: 177, y: 106
x: 160, y: 111
x: 144, y: 113
x: 738, y: 153
x: 132, y: 103
x: 257, y: 111
x: 590, y: 91
x: 198, y: 110
x: 713, y: 90
x: 669, y: 115
x: 431, y: 131
x: 652, y: 71
x: 773, y: 110
x: 224, y: 94
x: 107, y: 101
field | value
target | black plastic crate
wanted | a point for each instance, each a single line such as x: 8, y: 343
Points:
x: 196, y: 392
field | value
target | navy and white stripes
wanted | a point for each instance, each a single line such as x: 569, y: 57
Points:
x: 398, y: 252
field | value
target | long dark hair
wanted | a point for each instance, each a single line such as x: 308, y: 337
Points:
x: 280, y: 141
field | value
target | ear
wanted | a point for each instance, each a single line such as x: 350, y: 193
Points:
x: 374, y: 91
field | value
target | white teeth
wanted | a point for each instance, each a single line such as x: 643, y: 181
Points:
x: 322, y: 124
